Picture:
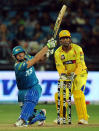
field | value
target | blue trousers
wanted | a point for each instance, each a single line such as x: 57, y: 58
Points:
x: 30, y: 99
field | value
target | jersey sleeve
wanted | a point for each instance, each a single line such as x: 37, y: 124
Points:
x: 21, y: 66
x: 59, y: 65
x: 79, y: 61
x: 29, y: 57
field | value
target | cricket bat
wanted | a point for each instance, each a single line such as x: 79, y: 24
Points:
x: 59, y: 20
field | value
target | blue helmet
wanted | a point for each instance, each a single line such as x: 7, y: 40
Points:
x: 18, y: 49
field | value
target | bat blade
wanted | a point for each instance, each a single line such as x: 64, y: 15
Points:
x: 59, y: 20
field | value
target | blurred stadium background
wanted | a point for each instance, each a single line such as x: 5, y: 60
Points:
x: 30, y: 23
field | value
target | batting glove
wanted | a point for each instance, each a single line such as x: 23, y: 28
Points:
x: 49, y: 52
x: 51, y: 43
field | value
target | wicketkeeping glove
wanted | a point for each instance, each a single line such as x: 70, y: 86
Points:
x: 51, y: 43
x: 72, y: 76
x: 63, y: 76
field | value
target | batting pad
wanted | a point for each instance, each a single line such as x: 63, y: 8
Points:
x: 80, y: 104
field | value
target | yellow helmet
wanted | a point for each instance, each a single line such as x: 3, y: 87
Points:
x: 64, y: 33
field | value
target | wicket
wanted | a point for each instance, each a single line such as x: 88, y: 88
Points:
x: 63, y: 84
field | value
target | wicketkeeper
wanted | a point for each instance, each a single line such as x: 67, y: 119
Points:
x: 69, y: 59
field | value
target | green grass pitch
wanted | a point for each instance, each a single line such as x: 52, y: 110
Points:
x: 10, y: 112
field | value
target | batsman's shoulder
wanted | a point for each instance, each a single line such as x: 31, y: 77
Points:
x: 20, y: 65
x: 16, y: 65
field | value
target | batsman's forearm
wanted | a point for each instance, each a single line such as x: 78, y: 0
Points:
x: 37, y: 57
x: 40, y: 54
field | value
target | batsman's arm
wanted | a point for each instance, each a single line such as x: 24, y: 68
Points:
x: 37, y: 57
x: 40, y: 55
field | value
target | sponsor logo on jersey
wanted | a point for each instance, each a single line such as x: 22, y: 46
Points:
x: 62, y: 57
x: 69, y: 62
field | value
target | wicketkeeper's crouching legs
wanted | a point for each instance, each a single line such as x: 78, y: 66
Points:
x: 80, y: 104
x: 79, y: 98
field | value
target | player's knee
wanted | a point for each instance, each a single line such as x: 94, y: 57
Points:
x: 78, y: 94
x: 32, y: 96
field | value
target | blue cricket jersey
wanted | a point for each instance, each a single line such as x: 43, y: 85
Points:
x: 25, y: 77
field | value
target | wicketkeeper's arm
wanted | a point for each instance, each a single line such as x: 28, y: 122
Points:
x: 80, y: 62
x: 59, y: 65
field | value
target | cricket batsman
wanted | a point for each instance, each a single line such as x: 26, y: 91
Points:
x: 29, y: 90
x: 69, y: 59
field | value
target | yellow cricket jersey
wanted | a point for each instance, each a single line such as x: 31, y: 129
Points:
x: 71, y: 61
